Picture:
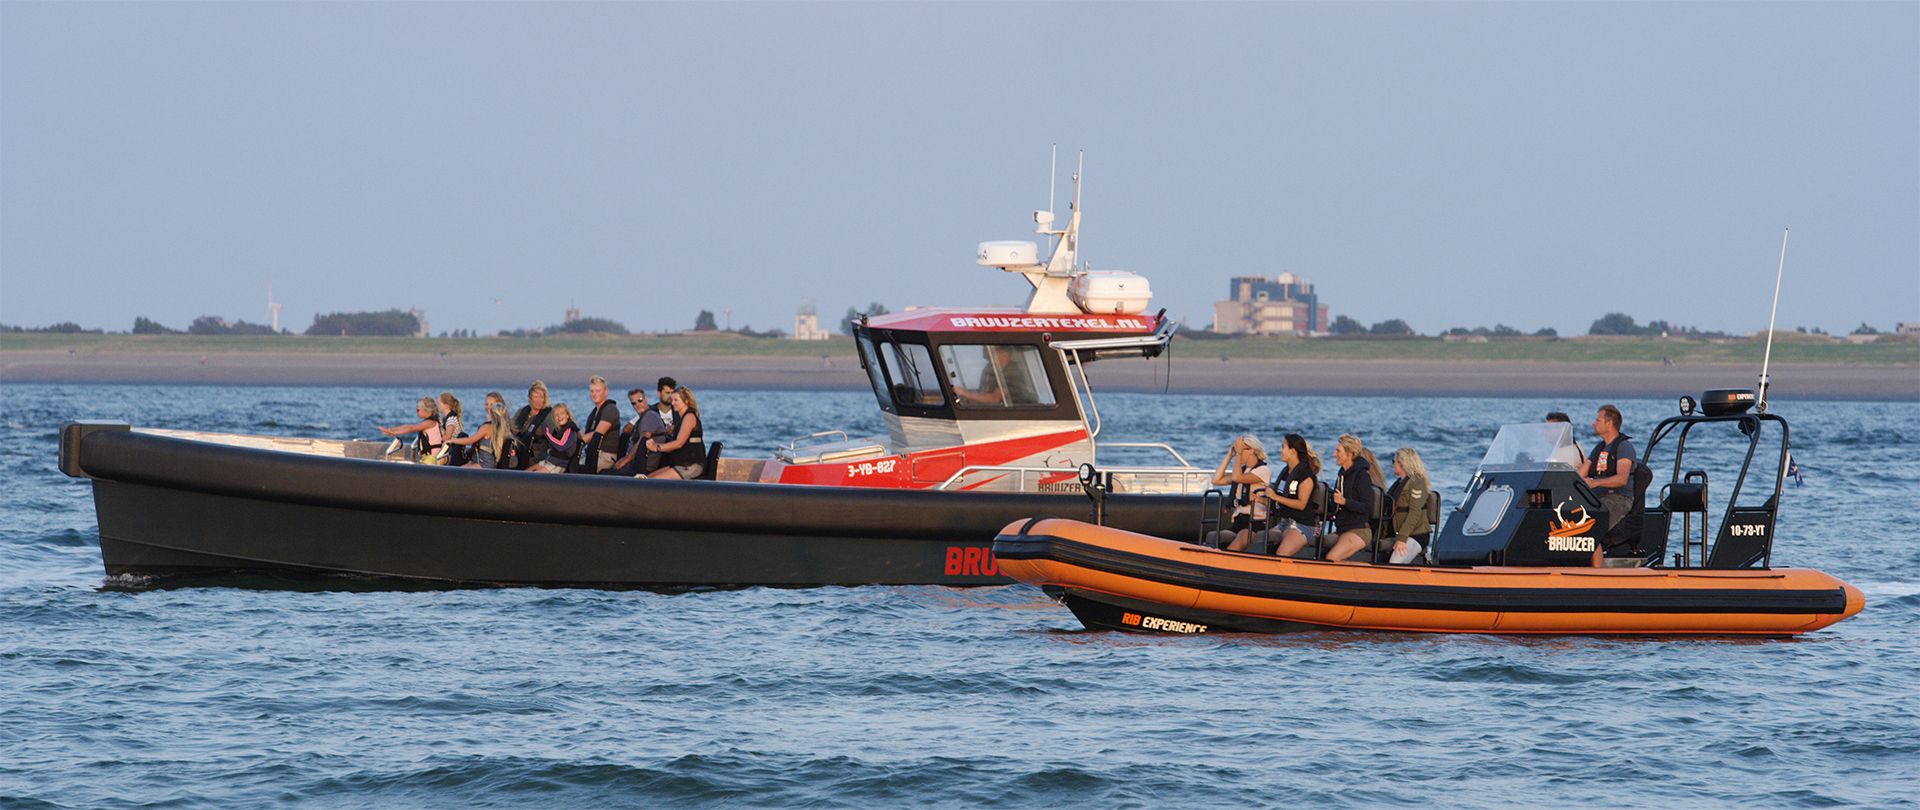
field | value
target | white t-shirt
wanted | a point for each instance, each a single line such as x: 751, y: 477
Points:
x: 1258, y: 507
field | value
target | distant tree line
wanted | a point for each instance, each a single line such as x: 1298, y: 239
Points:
x: 61, y: 328
x: 1620, y: 323
x: 213, y: 325
x: 392, y: 323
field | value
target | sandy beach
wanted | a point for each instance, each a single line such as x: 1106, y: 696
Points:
x: 1188, y: 375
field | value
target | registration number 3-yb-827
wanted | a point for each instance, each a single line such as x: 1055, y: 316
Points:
x: 881, y: 467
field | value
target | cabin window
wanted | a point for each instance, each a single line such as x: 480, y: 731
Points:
x: 996, y: 376
x: 910, y: 368
x: 872, y: 363
x: 1488, y: 508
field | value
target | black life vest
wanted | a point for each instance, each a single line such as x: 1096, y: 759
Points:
x: 1289, y: 487
x: 609, y: 412
x: 1613, y: 458
x: 695, y: 450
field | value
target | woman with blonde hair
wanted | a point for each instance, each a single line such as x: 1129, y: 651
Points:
x: 449, y: 409
x: 685, y: 455
x: 492, y: 440
x: 1409, y: 496
x: 1244, y: 472
x: 561, y: 439
x: 1353, y: 497
x: 431, y: 442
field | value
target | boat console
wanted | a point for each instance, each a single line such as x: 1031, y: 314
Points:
x: 1528, y: 506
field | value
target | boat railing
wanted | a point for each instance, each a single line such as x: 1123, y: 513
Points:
x: 1142, y: 480
x: 828, y: 446
x: 1177, y: 458
x: 808, y: 439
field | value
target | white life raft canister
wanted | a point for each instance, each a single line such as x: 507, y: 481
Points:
x: 1110, y: 292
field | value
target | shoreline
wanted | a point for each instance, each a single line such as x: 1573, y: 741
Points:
x: 1190, y: 375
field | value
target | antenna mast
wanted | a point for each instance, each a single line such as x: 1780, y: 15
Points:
x: 1767, y: 358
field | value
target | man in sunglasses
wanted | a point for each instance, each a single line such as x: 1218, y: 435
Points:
x: 646, y: 424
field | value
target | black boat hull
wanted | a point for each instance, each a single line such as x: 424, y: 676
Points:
x: 191, y: 512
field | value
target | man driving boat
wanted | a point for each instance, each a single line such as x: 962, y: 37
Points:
x: 1004, y: 381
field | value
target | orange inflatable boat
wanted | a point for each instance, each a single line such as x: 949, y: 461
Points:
x: 1529, y: 549
x: 1117, y: 580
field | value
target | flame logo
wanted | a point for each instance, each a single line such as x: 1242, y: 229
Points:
x: 1570, y: 526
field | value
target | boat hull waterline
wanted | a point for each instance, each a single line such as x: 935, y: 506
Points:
x: 181, y: 509
x: 1114, y: 579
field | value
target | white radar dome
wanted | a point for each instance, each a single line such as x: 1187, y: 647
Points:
x: 1008, y: 254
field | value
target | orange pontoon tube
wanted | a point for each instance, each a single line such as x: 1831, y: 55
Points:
x: 1530, y: 549
x: 1118, y: 580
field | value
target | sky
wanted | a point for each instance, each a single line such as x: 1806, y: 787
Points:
x: 1533, y: 164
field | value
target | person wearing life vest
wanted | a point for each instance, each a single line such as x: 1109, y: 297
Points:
x: 1356, y: 486
x: 490, y: 445
x: 601, y: 442
x: 1244, y: 471
x: 686, y: 452
x: 561, y: 438
x: 529, y: 443
x: 431, y: 439
x: 1610, y: 465
x: 1294, y: 502
x: 647, y: 424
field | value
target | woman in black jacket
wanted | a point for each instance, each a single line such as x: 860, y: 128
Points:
x: 1353, y: 497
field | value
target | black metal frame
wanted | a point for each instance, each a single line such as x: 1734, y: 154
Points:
x: 1066, y: 405
x: 1750, y: 424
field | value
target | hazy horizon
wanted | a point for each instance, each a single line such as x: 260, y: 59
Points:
x: 1536, y: 165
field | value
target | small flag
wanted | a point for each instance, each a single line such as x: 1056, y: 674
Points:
x: 1793, y: 469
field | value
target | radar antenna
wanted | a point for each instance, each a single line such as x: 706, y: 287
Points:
x: 1760, y: 403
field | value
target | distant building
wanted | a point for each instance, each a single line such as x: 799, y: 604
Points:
x: 1283, y: 305
x: 573, y: 314
x: 420, y: 321
x: 1907, y: 328
x: 806, y: 325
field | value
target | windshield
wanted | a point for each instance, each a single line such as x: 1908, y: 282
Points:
x: 997, y: 376
x: 1535, y: 446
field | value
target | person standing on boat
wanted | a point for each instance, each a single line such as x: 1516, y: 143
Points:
x: 601, y: 442
x: 561, y: 440
x: 686, y: 453
x: 529, y: 442
x: 1296, y: 518
x: 1410, y: 496
x: 430, y: 440
x: 1610, y: 465
x: 1353, y: 498
x: 1244, y: 471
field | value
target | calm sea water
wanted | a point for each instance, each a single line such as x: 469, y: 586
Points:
x: 925, y: 696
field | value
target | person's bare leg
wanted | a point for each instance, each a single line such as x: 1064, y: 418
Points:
x: 1240, y: 540
x: 1348, y: 544
x: 1291, y: 543
x: 664, y: 472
